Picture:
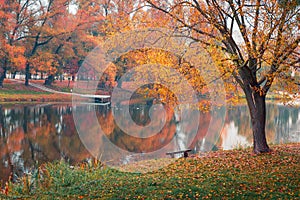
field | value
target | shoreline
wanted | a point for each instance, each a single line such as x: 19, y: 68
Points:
x: 228, y: 174
x: 15, y: 91
x: 55, y: 98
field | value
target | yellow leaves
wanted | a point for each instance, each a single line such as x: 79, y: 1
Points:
x: 216, y: 175
x: 204, y: 105
x: 151, y: 56
x: 46, y: 62
x: 258, y: 90
x: 16, y: 55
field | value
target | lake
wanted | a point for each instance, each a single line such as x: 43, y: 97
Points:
x: 32, y: 134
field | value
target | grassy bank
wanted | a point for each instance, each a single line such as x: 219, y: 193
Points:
x: 18, y: 92
x: 233, y: 174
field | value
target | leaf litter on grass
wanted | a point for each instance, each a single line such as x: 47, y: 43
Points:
x: 235, y: 174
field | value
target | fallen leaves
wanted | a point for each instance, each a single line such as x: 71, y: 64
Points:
x: 232, y: 174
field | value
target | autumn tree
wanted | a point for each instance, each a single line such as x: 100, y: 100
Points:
x: 47, y: 17
x: 26, y: 26
x: 77, y: 38
x: 37, y: 35
x: 11, y: 27
x: 259, y: 39
x: 117, y: 16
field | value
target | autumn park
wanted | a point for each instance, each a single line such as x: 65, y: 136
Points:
x: 149, y: 99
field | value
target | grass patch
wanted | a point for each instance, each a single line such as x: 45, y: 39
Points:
x: 18, y: 92
x: 233, y: 174
x: 13, y: 92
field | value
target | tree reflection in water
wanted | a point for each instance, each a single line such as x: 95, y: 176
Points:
x: 37, y: 133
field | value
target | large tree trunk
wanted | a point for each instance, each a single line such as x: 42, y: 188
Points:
x: 25, y: 119
x: 3, y: 73
x: 27, y: 74
x: 2, y: 76
x: 49, y: 80
x: 14, y: 75
x: 257, y: 106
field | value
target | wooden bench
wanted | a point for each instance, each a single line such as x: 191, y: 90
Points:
x: 185, y: 153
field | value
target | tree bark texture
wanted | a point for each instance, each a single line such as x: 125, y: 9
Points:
x: 257, y: 107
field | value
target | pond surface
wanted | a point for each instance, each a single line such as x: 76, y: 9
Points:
x: 33, y: 134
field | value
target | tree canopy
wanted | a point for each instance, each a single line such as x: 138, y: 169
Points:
x: 254, y: 43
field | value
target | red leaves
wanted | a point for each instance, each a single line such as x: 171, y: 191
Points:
x: 6, y: 189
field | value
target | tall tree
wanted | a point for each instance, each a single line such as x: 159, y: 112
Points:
x: 74, y: 40
x: 12, y: 22
x: 260, y: 40
x: 43, y: 29
x: 36, y: 31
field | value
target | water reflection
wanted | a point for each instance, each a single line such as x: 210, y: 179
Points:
x: 282, y: 126
x: 33, y: 134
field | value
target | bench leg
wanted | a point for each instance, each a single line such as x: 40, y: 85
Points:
x: 185, y: 154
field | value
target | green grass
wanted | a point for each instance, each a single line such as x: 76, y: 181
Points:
x: 12, y: 92
x: 17, y: 89
x: 66, y: 89
x: 233, y: 174
x: 18, y: 92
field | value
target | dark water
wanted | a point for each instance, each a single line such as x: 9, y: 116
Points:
x: 34, y: 134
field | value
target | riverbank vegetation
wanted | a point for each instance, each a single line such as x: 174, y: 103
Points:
x: 17, y: 92
x: 253, y: 47
x: 235, y: 174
